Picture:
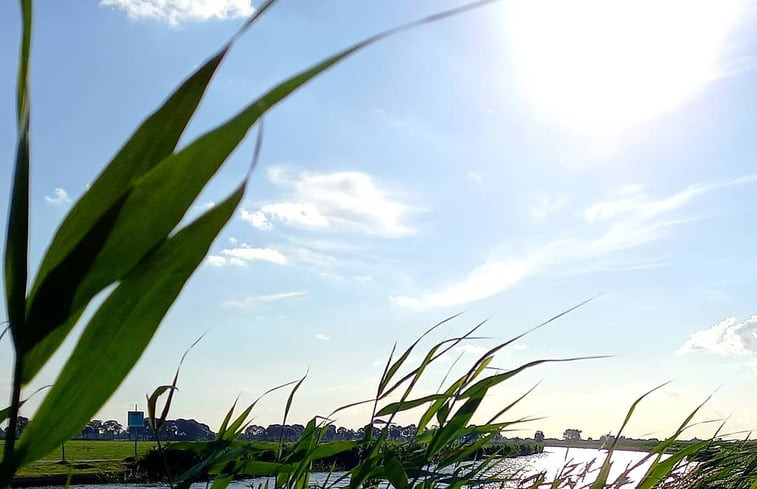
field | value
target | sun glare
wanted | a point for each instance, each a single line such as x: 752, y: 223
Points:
x: 607, y: 65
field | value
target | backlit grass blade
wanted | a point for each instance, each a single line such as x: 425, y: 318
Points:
x: 659, y: 470
x: 118, y: 258
x: 511, y: 405
x: 604, y: 470
x: 392, y: 370
x: 152, y: 400
x: 397, y: 407
x: 395, y: 472
x: 152, y: 142
x: 525, y: 333
x: 5, y: 413
x: 17, y: 237
x: 489, y: 382
x: 231, y: 430
x: 433, y: 354
x: 119, y: 332
x: 286, y: 413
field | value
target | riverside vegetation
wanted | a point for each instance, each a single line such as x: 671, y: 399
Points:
x: 124, y: 232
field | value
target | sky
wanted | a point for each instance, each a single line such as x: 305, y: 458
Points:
x: 507, y: 164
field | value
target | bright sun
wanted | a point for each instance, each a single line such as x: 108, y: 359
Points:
x: 607, y: 65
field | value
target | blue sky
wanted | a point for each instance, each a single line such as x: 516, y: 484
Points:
x: 509, y: 163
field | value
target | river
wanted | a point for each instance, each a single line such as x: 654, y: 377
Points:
x: 551, y: 461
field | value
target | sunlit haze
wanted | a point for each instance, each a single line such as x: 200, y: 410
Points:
x: 603, y: 66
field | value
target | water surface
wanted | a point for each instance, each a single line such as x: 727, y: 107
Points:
x: 552, y: 460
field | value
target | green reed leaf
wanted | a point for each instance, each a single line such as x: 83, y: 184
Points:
x: 17, y: 236
x: 119, y: 332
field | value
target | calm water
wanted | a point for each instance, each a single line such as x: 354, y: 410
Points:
x: 552, y: 461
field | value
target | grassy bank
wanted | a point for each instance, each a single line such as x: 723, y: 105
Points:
x: 113, y: 459
x: 85, y: 457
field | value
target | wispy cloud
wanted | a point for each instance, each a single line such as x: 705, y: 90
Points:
x: 629, y: 220
x: 475, y: 176
x: 322, y: 337
x: 729, y: 337
x: 256, y: 219
x: 59, y: 197
x: 244, y: 255
x: 253, y: 301
x: 344, y: 201
x: 174, y: 12
x: 546, y: 205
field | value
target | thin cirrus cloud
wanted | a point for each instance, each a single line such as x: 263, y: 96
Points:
x: 59, y: 197
x: 546, y: 205
x: 254, y: 301
x: 175, y: 12
x: 730, y: 337
x: 347, y: 201
x: 244, y: 254
x: 628, y: 220
x: 322, y: 337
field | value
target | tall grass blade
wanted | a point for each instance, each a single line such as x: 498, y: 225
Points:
x: 286, y: 413
x: 604, y: 470
x: 17, y: 237
x: 119, y: 332
x: 151, y: 143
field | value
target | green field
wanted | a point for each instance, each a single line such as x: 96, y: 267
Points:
x: 85, y: 457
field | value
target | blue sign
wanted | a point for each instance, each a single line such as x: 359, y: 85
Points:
x: 136, y: 419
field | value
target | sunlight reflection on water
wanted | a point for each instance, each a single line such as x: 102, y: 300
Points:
x: 553, y: 460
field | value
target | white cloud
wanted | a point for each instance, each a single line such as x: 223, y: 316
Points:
x: 322, y: 337
x: 728, y: 338
x: 244, y: 254
x: 174, y: 12
x: 546, y: 205
x: 296, y: 214
x: 346, y: 201
x: 630, y: 220
x: 256, y: 219
x: 253, y: 301
x: 216, y: 261
x: 250, y: 254
x: 59, y: 197
x: 475, y: 176
x: 486, y: 280
x: 208, y: 204
x: 233, y: 240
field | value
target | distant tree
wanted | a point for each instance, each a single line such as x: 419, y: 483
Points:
x: 330, y: 434
x: 539, y: 436
x: 343, y: 433
x: 20, y: 426
x: 255, y: 432
x: 190, y: 429
x: 92, y: 430
x: 607, y: 439
x: 111, y: 428
x: 571, y: 434
x: 409, y: 431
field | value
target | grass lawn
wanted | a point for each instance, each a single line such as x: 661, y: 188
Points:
x: 85, y: 457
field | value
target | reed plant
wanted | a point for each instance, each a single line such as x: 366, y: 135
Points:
x: 124, y: 237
